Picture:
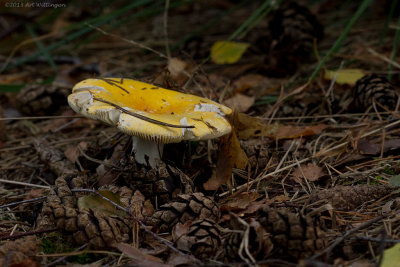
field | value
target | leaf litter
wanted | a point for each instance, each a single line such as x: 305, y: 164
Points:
x: 303, y: 178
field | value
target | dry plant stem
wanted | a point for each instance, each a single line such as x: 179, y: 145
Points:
x: 28, y: 233
x: 22, y: 202
x: 321, y: 153
x: 40, y: 118
x: 343, y: 237
x: 240, y: 187
x: 22, y: 183
x: 384, y: 58
x: 162, y: 240
x: 64, y: 257
x: 347, y: 115
x: 127, y: 40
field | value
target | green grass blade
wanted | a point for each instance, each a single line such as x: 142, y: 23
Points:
x: 42, y: 48
x: 84, y: 30
x: 336, y: 46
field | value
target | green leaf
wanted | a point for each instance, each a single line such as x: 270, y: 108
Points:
x: 391, y: 257
x: 97, y: 203
x: 226, y: 52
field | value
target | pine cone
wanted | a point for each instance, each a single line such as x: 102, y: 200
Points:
x: 372, y: 88
x: 186, y: 207
x: 259, y: 243
x: 292, y: 234
x: 160, y: 185
x: 294, y: 28
x: 350, y: 197
x: 41, y: 99
x: 202, y: 238
x: 86, y: 226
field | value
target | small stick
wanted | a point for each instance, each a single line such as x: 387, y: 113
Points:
x: 162, y: 240
x: 141, y: 116
x: 343, y: 237
x: 28, y: 233
x: 64, y: 257
x: 22, y: 183
x: 22, y: 202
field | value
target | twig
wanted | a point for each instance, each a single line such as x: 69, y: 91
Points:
x: 28, y: 233
x: 22, y: 183
x: 41, y: 118
x: 127, y: 40
x: 322, y: 152
x: 139, y: 116
x: 64, y: 257
x: 22, y: 202
x: 162, y: 240
x: 343, y: 237
x: 265, y: 176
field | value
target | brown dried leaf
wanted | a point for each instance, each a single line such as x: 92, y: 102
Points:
x: 73, y: 153
x: 373, y: 147
x: 248, y: 127
x: 240, y: 102
x: 141, y: 258
x: 230, y: 155
x: 290, y: 132
x: 310, y: 171
x: 239, y: 201
x: 179, y: 231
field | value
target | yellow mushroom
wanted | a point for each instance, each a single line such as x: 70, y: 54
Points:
x: 152, y: 115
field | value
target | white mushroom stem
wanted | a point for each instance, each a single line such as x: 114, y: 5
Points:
x: 143, y: 148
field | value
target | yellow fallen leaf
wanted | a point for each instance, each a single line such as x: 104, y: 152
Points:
x: 226, y: 52
x: 97, y: 203
x: 391, y: 257
x: 344, y: 76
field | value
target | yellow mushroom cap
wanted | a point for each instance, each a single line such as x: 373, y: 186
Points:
x: 115, y: 101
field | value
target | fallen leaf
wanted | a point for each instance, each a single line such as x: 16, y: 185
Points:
x: 391, y: 257
x: 310, y: 171
x: 97, y: 203
x: 230, y: 154
x: 239, y: 201
x: 373, y: 147
x: 262, y: 85
x: 179, y: 231
x: 73, y: 153
x: 141, y: 258
x: 248, y: 127
x: 290, y: 132
x: 240, y: 102
x: 344, y: 76
x: 227, y: 52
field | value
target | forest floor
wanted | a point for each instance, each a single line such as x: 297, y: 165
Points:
x: 309, y: 175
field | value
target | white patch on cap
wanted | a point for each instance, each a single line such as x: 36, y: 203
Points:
x: 208, y: 108
x: 80, y: 101
x: 88, y: 87
x: 187, y: 133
